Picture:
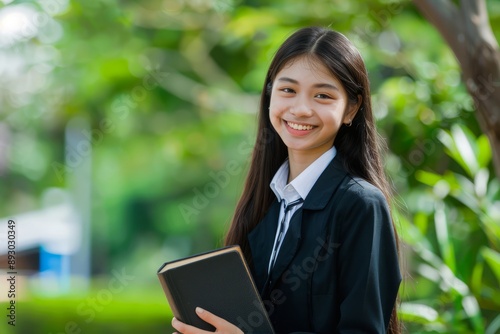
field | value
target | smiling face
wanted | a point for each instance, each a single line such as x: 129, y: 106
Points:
x: 308, y: 106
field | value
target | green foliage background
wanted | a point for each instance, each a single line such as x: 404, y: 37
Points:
x: 170, y: 89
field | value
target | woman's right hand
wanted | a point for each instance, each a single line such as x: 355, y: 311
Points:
x: 221, y: 325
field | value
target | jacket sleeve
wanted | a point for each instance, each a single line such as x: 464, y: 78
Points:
x: 369, y: 275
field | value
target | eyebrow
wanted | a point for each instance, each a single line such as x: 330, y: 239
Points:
x: 318, y: 85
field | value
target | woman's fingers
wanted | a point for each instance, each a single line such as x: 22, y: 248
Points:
x: 221, y: 325
x: 211, y: 318
x: 186, y: 329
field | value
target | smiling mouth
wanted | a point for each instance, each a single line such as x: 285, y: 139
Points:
x: 300, y: 127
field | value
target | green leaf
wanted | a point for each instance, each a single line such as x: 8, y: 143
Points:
x: 408, y: 232
x: 494, y: 326
x: 465, y: 193
x: 481, y: 182
x: 477, y: 275
x: 483, y: 151
x: 444, y: 241
x: 461, y: 146
x: 421, y: 221
x: 428, y: 178
x: 492, y: 258
x: 415, y: 312
x: 465, y: 143
x: 471, y: 308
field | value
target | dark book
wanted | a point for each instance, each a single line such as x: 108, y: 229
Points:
x: 218, y: 281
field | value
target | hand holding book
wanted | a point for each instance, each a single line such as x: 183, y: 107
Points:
x: 221, y: 325
x: 219, y: 282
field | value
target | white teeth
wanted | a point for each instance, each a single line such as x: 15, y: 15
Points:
x: 300, y: 127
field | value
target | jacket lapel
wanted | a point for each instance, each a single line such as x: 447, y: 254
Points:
x: 289, y: 247
x: 261, y: 240
x: 326, y: 185
x: 317, y: 199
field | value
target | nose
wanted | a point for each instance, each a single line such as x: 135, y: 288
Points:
x: 301, y: 107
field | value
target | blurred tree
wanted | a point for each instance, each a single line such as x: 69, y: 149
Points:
x: 170, y: 88
x: 467, y: 30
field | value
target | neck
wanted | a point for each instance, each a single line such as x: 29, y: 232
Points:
x: 299, y: 161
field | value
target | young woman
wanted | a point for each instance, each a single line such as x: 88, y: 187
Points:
x: 313, y: 220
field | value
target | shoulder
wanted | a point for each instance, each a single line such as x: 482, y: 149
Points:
x: 361, y: 204
x: 358, y: 190
x: 362, y: 211
x: 353, y: 187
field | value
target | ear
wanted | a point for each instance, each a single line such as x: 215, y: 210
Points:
x: 352, y: 110
x: 269, y: 88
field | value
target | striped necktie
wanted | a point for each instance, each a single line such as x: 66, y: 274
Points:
x: 281, y: 233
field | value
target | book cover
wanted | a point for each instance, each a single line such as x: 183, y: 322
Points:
x: 218, y: 281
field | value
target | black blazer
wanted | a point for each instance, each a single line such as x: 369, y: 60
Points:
x: 337, y: 270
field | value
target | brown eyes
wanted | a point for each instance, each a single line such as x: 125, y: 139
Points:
x: 323, y: 96
x: 291, y: 91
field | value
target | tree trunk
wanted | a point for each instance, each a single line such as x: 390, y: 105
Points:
x: 467, y: 31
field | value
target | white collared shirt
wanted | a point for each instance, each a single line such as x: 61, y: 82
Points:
x: 299, y: 188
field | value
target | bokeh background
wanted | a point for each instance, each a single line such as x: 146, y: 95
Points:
x: 125, y: 134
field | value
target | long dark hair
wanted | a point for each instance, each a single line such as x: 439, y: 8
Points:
x: 358, y: 144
